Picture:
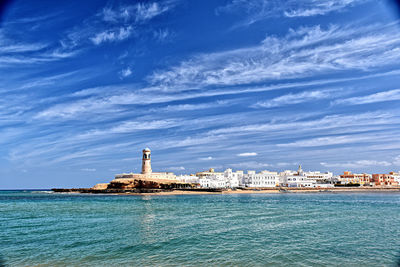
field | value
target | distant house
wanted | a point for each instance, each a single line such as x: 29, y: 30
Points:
x: 384, y: 180
x: 362, y: 179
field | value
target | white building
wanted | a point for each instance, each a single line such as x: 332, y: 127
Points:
x: 301, y: 178
x: 396, y: 176
x: 319, y: 176
x: 262, y: 179
x: 191, y: 179
x: 226, y: 179
x: 297, y: 181
x: 233, y: 179
x: 213, y: 181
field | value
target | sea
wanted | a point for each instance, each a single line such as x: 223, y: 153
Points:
x: 41, y: 228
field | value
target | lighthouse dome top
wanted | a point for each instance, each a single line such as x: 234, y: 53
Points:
x: 146, y: 149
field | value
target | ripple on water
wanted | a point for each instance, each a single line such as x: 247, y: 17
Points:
x: 205, y: 230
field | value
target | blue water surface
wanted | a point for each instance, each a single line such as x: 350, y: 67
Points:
x: 325, y: 229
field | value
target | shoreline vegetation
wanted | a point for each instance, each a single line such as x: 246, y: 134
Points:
x: 281, y: 190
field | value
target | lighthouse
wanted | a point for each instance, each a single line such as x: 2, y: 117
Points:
x: 147, y: 173
x: 146, y: 161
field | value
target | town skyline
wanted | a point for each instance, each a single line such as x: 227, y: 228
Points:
x: 247, y: 85
x: 156, y: 181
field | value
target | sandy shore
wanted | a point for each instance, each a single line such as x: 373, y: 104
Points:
x: 239, y: 191
x: 274, y: 191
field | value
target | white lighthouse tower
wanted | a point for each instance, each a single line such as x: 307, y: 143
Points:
x: 146, y: 161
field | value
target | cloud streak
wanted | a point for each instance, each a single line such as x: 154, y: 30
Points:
x: 247, y: 154
x: 326, y: 141
x: 114, y: 35
x: 357, y: 164
x: 391, y: 95
x: 291, y: 99
x: 301, y: 53
x: 259, y: 10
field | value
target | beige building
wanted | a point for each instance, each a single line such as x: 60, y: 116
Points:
x: 355, y: 178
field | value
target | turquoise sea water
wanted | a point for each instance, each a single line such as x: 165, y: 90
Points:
x: 43, y: 229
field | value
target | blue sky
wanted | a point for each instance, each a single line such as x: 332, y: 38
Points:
x: 236, y: 83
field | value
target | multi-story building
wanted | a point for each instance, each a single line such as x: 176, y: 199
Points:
x: 384, y: 180
x: 226, y: 179
x: 191, y: 179
x: 213, y: 181
x: 396, y: 176
x: 319, y: 176
x: 302, y: 178
x: 348, y: 177
x: 233, y: 179
x: 297, y: 181
x: 262, y: 179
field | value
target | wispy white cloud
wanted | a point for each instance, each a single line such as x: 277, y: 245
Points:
x: 325, y: 141
x: 147, y: 11
x: 188, y: 107
x: 250, y: 165
x: 391, y: 95
x: 106, y: 99
x: 139, y: 12
x: 247, y: 154
x: 214, y: 140
x: 285, y: 164
x: 290, y: 99
x: 116, y: 23
x: 33, y: 19
x: 125, y: 72
x: 101, y: 99
x: 15, y: 50
x: 206, y: 158
x: 19, y: 48
x: 11, y: 45
x: 130, y: 127
x: 258, y: 10
x: 261, y: 165
x: 110, y: 14
x: 324, y: 123
x: 315, y: 7
x: 357, y: 164
x: 396, y: 161
x: 191, y: 141
x: 113, y: 35
x: 35, y: 58
x: 301, y: 53
x: 44, y: 81
x: 177, y: 168
x: 162, y: 35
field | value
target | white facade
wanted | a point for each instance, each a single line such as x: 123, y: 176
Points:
x: 233, y: 179
x: 227, y: 179
x: 297, y: 181
x: 262, y: 179
x: 213, y: 181
x: 318, y: 176
x: 191, y: 179
x: 301, y: 178
x: 396, y: 176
